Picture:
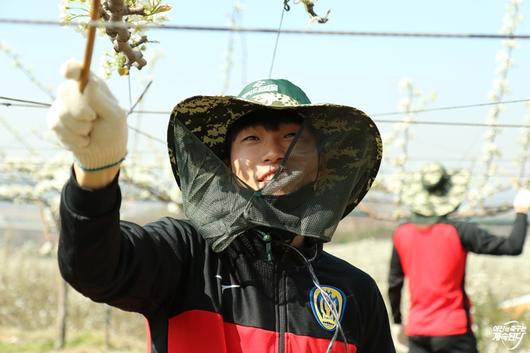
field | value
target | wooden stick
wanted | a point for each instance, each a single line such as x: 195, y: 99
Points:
x: 91, y: 36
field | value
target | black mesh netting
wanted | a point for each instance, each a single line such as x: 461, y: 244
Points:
x: 326, y: 171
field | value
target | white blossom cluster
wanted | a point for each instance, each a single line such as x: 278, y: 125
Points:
x: 501, y: 87
x: 151, y: 182
x: 39, y: 181
x: 32, y: 179
x: 399, y: 138
x: 35, y: 181
x: 524, y: 154
x: 140, y: 14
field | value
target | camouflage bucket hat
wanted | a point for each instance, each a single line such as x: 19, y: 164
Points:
x: 434, y: 191
x: 209, y: 118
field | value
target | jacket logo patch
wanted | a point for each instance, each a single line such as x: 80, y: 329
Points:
x: 322, y: 310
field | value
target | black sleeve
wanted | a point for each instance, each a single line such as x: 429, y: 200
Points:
x: 120, y: 263
x: 480, y: 241
x: 377, y: 337
x: 395, y: 284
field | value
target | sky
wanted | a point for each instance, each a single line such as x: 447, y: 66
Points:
x: 364, y: 72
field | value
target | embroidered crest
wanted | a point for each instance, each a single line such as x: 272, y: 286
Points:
x: 322, y: 310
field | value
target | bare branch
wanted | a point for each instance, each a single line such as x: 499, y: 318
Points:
x: 115, y: 11
x: 309, y: 7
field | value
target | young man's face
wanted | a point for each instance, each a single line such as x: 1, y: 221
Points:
x: 257, y: 152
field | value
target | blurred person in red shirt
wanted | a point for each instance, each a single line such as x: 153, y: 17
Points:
x: 430, y: 251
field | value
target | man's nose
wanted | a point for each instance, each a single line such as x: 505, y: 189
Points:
x: 274, y: 151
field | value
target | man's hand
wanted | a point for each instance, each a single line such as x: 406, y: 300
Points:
x: 521, y: 202
x: 90, y: 124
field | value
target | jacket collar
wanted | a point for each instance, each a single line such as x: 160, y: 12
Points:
x: 275, y: 250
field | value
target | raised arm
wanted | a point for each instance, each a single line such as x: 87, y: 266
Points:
x: 480, y: 241
x: 108, y: 260
x: 121, y: 263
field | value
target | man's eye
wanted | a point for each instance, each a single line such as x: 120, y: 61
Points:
x: 250, y: 138
x: 291, y: 134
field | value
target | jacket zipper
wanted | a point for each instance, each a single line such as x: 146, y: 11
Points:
x: 282, y: 311
x: 279, y: 280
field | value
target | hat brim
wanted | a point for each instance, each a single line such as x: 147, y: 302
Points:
x: 423, y: 203
x: 209, y: 118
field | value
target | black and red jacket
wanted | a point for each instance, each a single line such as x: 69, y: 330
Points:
x: 433, y: 259
x: 199, y: 301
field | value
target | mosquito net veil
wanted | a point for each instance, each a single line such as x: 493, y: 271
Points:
x: 327, y: 169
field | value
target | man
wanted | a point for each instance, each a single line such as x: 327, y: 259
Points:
x: 431, y: 254
x: 265, y: 178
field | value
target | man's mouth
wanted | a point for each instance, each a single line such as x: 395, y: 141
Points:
x: 268, y: 175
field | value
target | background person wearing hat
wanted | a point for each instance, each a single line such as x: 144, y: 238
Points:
x: 265, y: 178
x: 431, y: 254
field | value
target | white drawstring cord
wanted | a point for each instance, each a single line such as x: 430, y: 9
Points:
x: 327, y: 300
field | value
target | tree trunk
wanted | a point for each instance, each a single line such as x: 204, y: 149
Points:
x: 8, y: 234
x: 62, y: 314
x: 108, y: 322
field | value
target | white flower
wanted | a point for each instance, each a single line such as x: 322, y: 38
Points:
x: 405, y: 84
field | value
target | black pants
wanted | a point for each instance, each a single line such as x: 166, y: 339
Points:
x: 443, y: 344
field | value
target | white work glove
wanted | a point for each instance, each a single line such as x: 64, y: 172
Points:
x: 521, y: 202
x: 90, y: 124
